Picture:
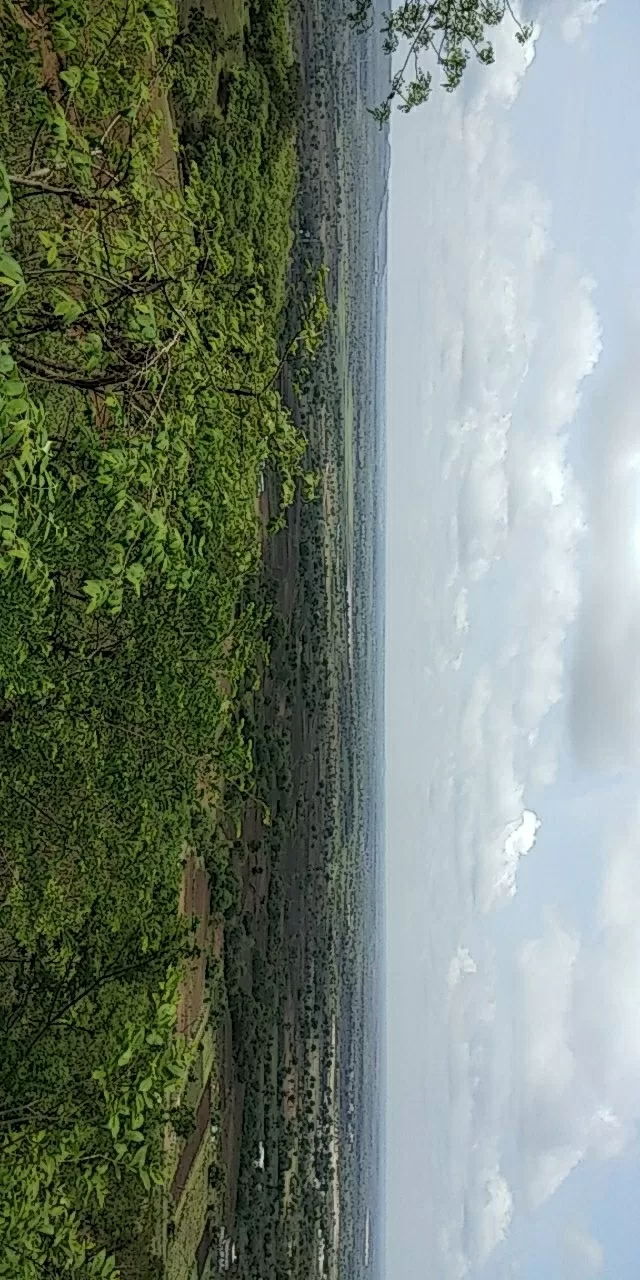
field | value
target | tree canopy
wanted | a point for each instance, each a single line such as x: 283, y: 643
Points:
x: 438, y: 37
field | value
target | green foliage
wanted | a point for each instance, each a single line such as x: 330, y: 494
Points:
x: 52, y: 1176
x: 139, y: 349
x: 194, y: 64
x: 444, y: 34
x: 41, y: 1231
x: 270, y: 45
x: 250, y: 164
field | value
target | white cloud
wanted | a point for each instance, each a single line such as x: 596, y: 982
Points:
x: 462, y: 963
x: 496, y: 1214
x: 577, y: 1036
x: 583, y: 1250
x: 523, y: 324
x: 483, y: 501
x: 492, y: 334
x: 578, y: 17
x: 520, y: 839
x: 547, y: 969
x: 554, y: 1118
x: 501, y: 82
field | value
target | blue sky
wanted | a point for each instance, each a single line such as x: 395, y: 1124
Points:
x: 513, y: 669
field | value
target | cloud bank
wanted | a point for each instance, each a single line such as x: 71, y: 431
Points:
x: 493, y: 333
x: 578, y: 1036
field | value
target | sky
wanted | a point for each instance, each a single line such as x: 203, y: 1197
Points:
x: 513, y: 662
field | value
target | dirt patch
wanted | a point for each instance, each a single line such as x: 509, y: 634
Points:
x: 335, y: 1147
x: 205, y: 1246
x: 168, y: 169
x: 194, y: 905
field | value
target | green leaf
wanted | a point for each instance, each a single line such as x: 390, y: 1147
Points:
x: 90, y: 81
x: 63, y: 39
x: 135, y: 574
x: 12, y: 387
x: 10, y: 270
x: 98, y: 591
x: 15, y: 408
x: 16, y: 294
x: 68, y: 308
x: 140, y: 1157
x: 72, y: 77
x: 12, y: 440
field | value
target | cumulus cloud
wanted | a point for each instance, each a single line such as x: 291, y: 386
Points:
x: 501, y: 82
x: 524, y: 327
x: 519, y: 840
x: 577, y: 1033
x: 483, y: 590
x: 583, y: 1250
x: 483, y: 501
x: 551, y: 1139
x: 496, y: 1214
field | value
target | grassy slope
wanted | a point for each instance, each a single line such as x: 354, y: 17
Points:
x: 137, y: 317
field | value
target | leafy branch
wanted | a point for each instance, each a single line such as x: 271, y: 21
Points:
x: 444, y: 33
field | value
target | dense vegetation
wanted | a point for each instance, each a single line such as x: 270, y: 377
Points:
x: 139, y: 349
x: 301, y: 955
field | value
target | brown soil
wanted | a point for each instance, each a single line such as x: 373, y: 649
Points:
x: 194, y: 904
x: 168, y: 170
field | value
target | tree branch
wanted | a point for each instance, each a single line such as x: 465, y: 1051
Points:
x: 35, y: 187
